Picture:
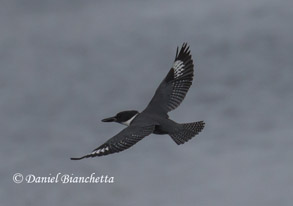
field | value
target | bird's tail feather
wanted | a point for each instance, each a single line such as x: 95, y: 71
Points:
x: 188, y: 131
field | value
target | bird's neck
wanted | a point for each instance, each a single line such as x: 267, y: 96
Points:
x: 128, y: 122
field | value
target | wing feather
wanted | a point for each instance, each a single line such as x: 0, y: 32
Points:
x: 122, y: 141
x: 176, y: 84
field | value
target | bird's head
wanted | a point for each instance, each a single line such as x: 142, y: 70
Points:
x: 124, y: 117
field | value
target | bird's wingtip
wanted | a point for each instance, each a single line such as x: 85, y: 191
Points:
x: 77, y: 158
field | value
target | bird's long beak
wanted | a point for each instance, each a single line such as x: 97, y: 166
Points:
x: 110, y: 119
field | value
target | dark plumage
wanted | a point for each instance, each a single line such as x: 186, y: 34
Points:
x: 154, y: 119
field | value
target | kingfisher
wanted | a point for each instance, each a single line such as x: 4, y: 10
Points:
x: 154, y: 118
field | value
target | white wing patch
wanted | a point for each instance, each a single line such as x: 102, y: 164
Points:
x: 100, y: 150
x: 178, y: 68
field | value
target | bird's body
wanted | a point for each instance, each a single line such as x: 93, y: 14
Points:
x: 154, y: 119
x: 162, y: 125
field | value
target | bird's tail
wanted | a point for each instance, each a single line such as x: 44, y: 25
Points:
x: 188, y: 131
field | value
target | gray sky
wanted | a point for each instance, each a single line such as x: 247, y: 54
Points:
x: 65, y: 65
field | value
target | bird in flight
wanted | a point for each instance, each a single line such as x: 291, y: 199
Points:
x: 154, y: 119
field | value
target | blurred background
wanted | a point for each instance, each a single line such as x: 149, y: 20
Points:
x: 65, y: 65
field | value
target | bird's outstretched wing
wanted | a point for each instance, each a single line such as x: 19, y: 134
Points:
x: 176, y: 84
x: 122, y: 141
